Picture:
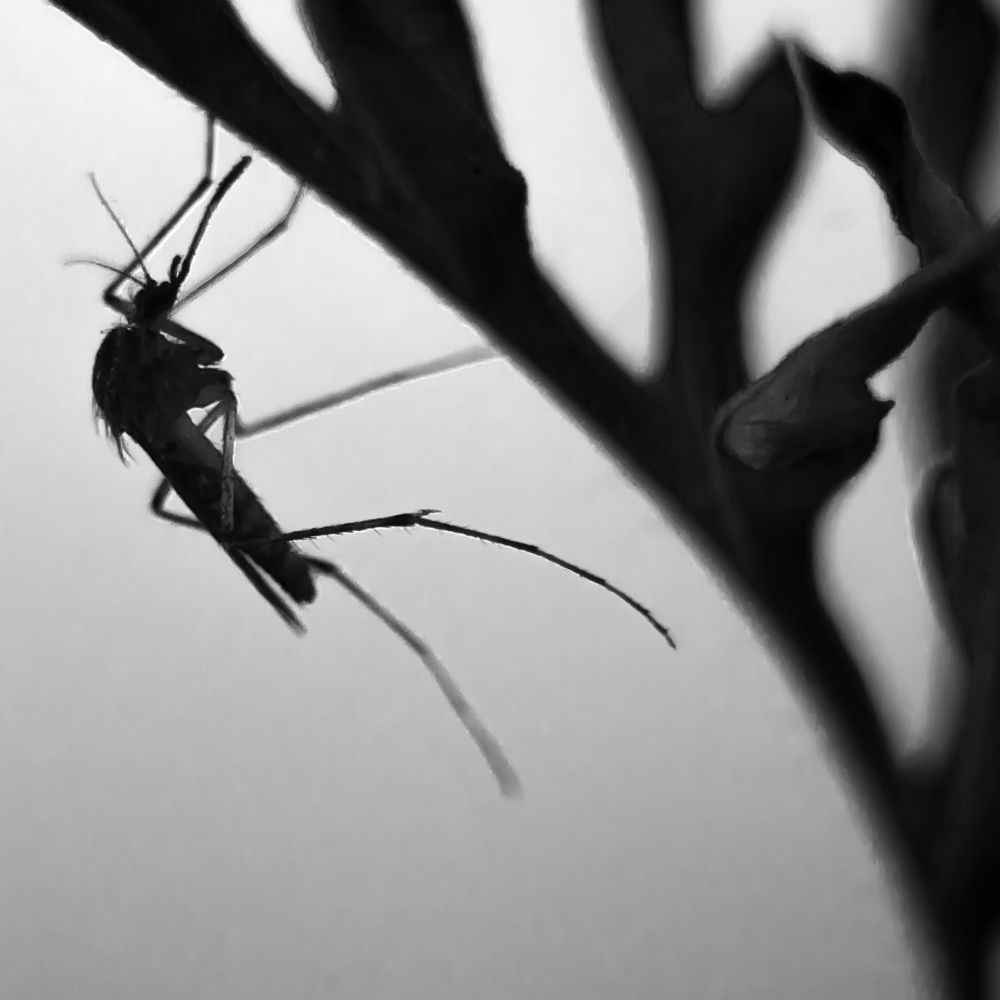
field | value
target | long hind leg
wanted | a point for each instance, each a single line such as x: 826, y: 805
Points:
x: 424, y: 519
x: 485, y: 742
x: 321, y: 404
x: 421, y: 519
x: 236, y: 429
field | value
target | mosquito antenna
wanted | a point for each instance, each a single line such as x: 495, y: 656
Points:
x: 220, y: 192
x: 107, y: 267
x: 120, y: 226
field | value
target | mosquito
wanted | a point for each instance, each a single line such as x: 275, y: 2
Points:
x: 150, y: 372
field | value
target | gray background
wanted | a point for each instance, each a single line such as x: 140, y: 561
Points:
x: 193, y: 803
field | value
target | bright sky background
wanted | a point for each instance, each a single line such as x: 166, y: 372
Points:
x: 197, y: 804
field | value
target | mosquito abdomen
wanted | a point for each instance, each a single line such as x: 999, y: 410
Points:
x: 193, y: 466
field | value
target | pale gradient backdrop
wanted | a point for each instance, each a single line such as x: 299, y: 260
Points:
x: 194, y: 803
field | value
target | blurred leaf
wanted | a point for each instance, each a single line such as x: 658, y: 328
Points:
x: 407, y: 72
x: 814, y: 408
x: 715, y: 186
x: 948, y: 85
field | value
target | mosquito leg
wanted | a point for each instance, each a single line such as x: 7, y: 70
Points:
x: 477, y: 730
x: 268, y: 236
x: 486, y: 743
x: 533, y: 550
x: 407, y: 519
x: 244, y: 565
x: 419, y: 519
x: 450, y: 362
x: 184, y: 520
x: 225, y: 411
x: 228, y: 447
x: 253, y: 575
x: 111, y: 296
x: 163, y: 489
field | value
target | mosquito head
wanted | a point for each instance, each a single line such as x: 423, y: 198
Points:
x: 154, y: 300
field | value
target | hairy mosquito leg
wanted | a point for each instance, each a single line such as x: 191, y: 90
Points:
x: 283, y: 418
x: 407, y: 519
x: 163, y: 489
x: 258, y: 244
x: 184, y: 520
x: 533, y: 550
x: 253, y: 575
x: 110, y: 294
x: 246, y: 567
x: 228, y: 449
x: 224, y: 410
x: 486, y: 743
x: 450, y: 362
x: 420, y: 519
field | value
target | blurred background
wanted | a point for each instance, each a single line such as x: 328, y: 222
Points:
x: 195, y: 803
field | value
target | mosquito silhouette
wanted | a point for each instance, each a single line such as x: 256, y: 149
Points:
x: 150, y: 372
